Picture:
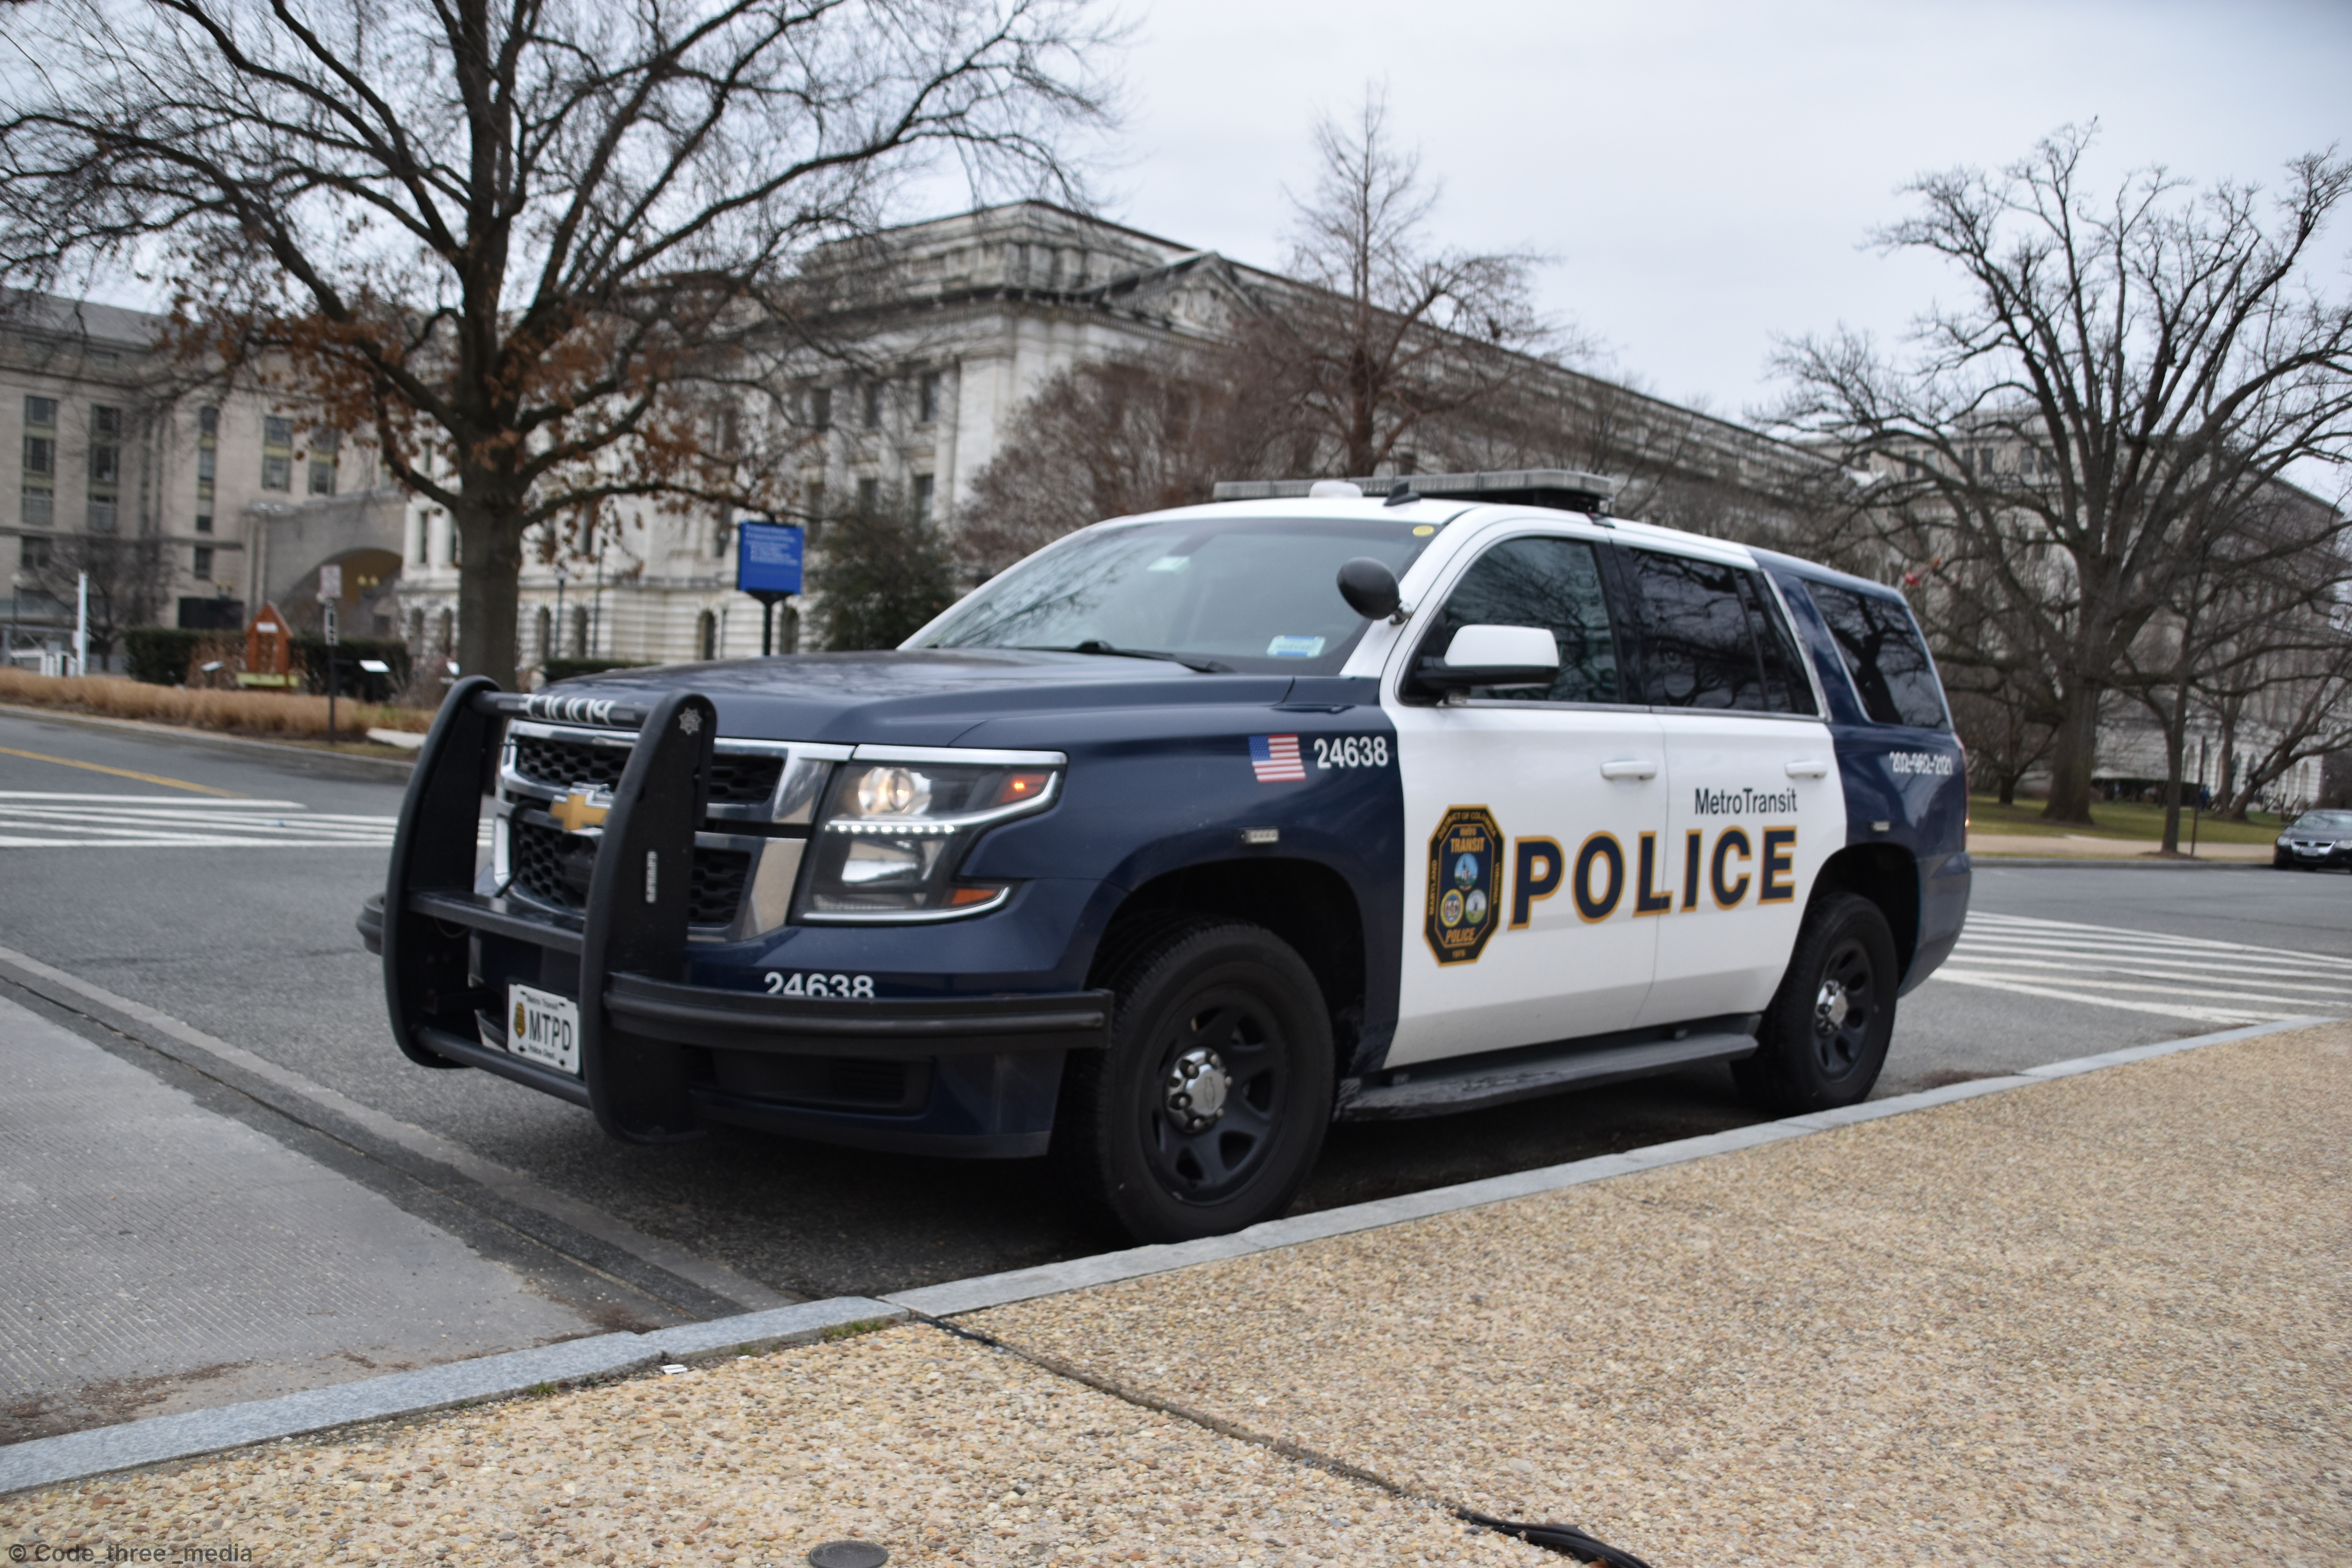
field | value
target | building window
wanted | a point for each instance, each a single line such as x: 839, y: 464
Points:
x: 207, y: 464
x: 923, y: 498
x: 40, y: 414
x: 33, y: 553
x: 105, y: 469
x: 448, y: 631
x: 276, y: 453
x: 208, y: 424
x: 821, y: 407
x: 706, y: 635
x: 38, y: 506
x: 546, y: 634
x: 869, y: 497
x: 578, y: 632
x: 873, y: 405
x: 928, y: 401
x: 204, y: 563
x: 325, y: 444
x: 40, y: 456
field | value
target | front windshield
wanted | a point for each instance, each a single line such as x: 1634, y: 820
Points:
x: 2332, y: 821
x: 1254, y: 594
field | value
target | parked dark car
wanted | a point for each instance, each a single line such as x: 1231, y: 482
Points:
x: 2315, y: 839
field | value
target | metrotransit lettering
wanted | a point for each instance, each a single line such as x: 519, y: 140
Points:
x: 1739, y: 802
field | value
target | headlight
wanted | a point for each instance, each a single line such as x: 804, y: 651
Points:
x: 893, y: 834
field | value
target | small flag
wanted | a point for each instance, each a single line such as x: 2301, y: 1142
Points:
x: 1274, y: 758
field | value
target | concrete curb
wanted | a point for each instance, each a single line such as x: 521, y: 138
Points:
x: 1054, y: 1278
x: 45, y: 1461
x: 75, y: 1455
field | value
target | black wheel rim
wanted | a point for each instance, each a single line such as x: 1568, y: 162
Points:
x: 1223, y: 1035
x: 1845, y: 1004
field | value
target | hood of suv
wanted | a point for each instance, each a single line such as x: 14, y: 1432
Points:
x: 924, y: 698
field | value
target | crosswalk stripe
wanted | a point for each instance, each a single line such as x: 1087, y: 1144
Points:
x: 49, y: 819
x: 2194, y: 978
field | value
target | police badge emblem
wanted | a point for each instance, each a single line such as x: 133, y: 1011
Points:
x: 1464, y: 854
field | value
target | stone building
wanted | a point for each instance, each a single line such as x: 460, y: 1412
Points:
x: 188, y: 501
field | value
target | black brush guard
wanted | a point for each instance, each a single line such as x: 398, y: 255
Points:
x: 637, y: 1014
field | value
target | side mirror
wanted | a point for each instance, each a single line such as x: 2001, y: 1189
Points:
x: 1370, y: 588
x: 1491, y: 656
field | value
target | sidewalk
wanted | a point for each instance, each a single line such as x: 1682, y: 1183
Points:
x: 2091, y: 847
x: 161, y: 1257
x: 2097, y: 1319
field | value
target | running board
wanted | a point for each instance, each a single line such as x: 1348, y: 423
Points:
x: 1450, y: 1087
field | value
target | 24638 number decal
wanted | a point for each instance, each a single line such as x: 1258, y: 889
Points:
x: 851, y: 987
x: 1353, y: 752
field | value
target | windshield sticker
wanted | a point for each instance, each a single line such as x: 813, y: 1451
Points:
x: 1463, y: 857
x: 1275, y: 760
x: 1294, y: 648
x: 1169, y: 564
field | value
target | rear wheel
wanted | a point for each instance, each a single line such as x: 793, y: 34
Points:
x: 1824, y: 1036
x: 1207, y: 1110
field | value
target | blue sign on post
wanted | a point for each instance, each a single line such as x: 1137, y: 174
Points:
x: 767, y: 557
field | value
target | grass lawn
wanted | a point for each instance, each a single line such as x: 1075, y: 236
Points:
x: 2123, y: 820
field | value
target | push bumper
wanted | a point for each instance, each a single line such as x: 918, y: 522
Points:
x: 969, y: 1075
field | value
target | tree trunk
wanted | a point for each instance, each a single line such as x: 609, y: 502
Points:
x: 2008, y: 789
x: 490, y: 578
x: 2075, y: 750
x: 2175, y: 755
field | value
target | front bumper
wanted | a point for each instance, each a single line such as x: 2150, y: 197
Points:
x: 957, y: 1074
x: 2314, y: 855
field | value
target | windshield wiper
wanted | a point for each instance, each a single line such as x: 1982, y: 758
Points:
x: 1096, y: 645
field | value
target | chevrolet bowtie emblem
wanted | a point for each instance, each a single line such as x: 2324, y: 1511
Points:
x: 580, y: 808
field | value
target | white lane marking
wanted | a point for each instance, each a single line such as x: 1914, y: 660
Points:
x: 50, y: 819
x: 2106, y: 966
x: 2200, y: 1015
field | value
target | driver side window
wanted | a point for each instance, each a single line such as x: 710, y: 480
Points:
x: 1549, y: 583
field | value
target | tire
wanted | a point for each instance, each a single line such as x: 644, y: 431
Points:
x: 1205, y: 1008
x: 1813, y: 1054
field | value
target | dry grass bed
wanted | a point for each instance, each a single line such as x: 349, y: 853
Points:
x: 941, y: 1450
x: 275, y: 715
x: 2102, y: 1321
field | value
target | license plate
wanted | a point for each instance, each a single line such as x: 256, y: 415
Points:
x: 543, y: 1028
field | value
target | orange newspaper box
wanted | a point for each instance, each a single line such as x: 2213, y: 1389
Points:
x: 268, y: 650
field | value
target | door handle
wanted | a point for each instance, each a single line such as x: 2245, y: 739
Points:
x: 1629, y: 768
x: 1809, y: 769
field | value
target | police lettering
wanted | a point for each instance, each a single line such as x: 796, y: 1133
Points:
x: 1597, y: 880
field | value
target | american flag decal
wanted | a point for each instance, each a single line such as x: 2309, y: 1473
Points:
x: 1275, y: 759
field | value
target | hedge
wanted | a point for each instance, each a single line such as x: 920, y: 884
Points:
x: 160, y: 654
x: 350, y: 680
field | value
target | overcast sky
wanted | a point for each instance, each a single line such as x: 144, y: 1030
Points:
x: 1705, y: 174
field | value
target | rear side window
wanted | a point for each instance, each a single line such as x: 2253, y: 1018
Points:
x: 1883, y: 653
x: 1549, y: 583
x: 1700, y: 644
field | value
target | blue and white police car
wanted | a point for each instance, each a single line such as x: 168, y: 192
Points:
x: 1196, y: 831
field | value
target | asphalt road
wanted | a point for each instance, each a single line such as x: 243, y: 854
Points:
x: 255, y: 944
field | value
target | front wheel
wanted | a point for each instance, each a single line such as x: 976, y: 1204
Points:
x: 1207, y: 1110
x: 1825, y: 1034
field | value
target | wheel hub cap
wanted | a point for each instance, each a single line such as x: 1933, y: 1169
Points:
x: 1196, y: 1089
x: 1831, y: 1006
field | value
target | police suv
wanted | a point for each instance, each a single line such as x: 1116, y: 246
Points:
x: 1195, y: 831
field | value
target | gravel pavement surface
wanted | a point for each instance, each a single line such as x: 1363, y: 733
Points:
x: 2101, y: 1320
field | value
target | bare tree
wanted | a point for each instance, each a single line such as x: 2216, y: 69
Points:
x: 526, y: 245
x: 1394, y: 332
x: 129, y: 580
x: 2124, y: 373
x: 1111, y: 437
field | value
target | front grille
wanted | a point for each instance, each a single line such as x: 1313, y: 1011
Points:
x: 717, y: 893
x: 744, y: 780
x: 560, y: 764
x: 553, y: 866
